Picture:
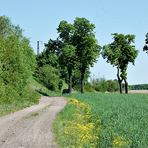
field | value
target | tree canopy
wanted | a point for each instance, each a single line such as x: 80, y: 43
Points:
x: 87, y: 48
x: 79, y: 36
x: 120, y: 53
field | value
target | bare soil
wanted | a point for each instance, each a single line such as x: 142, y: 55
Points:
x: 31, y: 127
x: 138, y: 91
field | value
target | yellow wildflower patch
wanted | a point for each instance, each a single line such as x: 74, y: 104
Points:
x: 81, y: 131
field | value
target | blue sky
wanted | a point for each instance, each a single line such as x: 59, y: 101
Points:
x: 40, y: 18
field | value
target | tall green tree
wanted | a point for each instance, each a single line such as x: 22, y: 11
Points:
x: 78, y: 48
x: 67, y: 56
x: 120, y: 53
x: 87, y: 48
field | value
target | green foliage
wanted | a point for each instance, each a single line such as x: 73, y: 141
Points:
x: 6, y: 28
x: 41, y: 89
x: 12, y: 101
x: 103, y: 85
x: 50, y: 55
x: 100, y: 84
x: 145, y: 48
x: 48, y: 70
x: 138, y: 87
x: 67, y: 57
x: 123, y: 118
x: 66, y: 31
x: 121, y: 51
x: 73, y: 52
x: 112, y: 85
x: 17, y: 61
x: 49, y: 76
x: 87, y: 48
x: 88, y: 87
x: 30, y: 96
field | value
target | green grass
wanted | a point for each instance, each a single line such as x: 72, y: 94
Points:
x: 123, y: 116
x: 42, y: 90
x: 6, y: 108
x: 31, y: 96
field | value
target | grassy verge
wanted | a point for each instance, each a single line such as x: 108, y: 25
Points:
x: 42, y: 90
x: 31, y: 96
x: 123, y: 119
x: 75, y: 126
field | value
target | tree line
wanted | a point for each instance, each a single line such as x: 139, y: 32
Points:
x: 76, y: 49
x: 138, y: 87
x: 65, y: 59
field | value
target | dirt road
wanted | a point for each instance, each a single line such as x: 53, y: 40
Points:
x: 31, y: 127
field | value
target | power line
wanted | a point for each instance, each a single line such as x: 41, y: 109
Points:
x: 38, y: 47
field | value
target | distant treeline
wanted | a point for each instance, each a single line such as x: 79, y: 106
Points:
x: 138, y: 87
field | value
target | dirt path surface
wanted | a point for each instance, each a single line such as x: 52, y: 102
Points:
x: 31, y: 127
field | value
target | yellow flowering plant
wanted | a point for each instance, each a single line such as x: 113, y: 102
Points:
x: 82, y: 131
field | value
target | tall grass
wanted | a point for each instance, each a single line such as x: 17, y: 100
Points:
x: 122, y: 117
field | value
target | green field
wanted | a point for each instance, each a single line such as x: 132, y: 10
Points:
x: 124, y: 118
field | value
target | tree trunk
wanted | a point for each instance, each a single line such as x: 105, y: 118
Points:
x: 120, y: 86
x: 126, y: 86
x: 82, y: 82
x: 119, y: 80
x: 70, y: 81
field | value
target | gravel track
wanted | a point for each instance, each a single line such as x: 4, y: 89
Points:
x: 31, y: 127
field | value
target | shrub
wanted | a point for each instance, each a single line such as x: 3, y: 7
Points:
x: 100, y: 84
x: 88, y: 87
x: 112, y: 85
x: 103, y: 85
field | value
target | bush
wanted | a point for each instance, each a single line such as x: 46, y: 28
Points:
x: 88, y: 87
x: 112, y: 85
x: 100, y: 84
x: 103, y: 85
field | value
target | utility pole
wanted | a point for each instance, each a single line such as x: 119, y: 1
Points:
x: 38, y: 47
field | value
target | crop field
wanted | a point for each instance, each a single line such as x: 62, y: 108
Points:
x: 123, y: 119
